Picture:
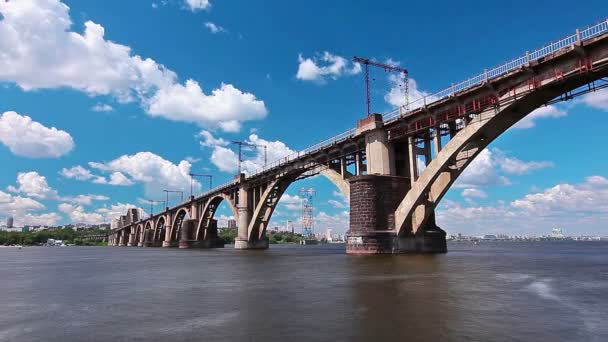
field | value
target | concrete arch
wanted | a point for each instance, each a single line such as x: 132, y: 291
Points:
x: 275, y: 190
x: 208, y: 214
x: 178, y: 219
x: 342, y: 184
x: 139, y: 234
x: 418, y: 205
x: 159, y: 230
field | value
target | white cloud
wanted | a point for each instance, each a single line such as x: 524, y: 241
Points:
x: 396, y: 95
x: 118, y: 178
x: 473, y: 192
x: 34, y: 185
x: 102, y: 107
x: 29, y: 219
x: 196, y: 5
x: 291, y: 202
x: 325, y: 66
x: 226, y: 160
x: 336, y: 204
x: 338, y: 222
x: 578, y: 208
x: 155, y: 172
x: 214, y: 28
x: 550, y: 111
x: 77, y: 172
x: 12, y: 205
x: 28, y: 138
x: 486, y: 168
x: 85, y: 199
x: 80, y: 173
x: 78, y: 214
x: 40, y: 51
x: 209, y: 140
x: 224, y: 107
x: 597, y: 99
x: 19, y: 208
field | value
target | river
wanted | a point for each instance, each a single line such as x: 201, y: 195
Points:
x: 537, y: 291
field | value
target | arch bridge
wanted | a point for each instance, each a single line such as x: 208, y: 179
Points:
x: 376, y: 164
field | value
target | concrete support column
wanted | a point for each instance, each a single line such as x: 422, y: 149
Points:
x: 343, y: 170
x: 379, y: 155
x: 168, y: 226
x: 358, y: 164
x: 243, y: 219
x: 131, y: 242
x: 413, y: 159
x: 427, y: 151
x: 148, y: 238
x: 437, y: 140
x: 193, y: 209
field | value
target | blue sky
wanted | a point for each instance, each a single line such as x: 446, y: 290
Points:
x: 143, y: 92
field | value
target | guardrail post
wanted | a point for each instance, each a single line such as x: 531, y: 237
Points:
x: 527, y: 56
x: 485, y: 75
x: 453, y: 89
x: 578, y: 36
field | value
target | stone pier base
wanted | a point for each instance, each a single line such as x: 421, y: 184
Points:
x: 214, y: 243
x: 257, y: 244
x: 373, y: 200
x: 431, y: 241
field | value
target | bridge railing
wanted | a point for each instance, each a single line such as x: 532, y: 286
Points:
x: 580, y: 35
x: 488, y: 74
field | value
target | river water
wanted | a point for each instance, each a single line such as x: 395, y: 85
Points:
x: 505, y: 291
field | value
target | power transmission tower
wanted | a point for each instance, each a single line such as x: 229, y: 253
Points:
x: 308, y: 218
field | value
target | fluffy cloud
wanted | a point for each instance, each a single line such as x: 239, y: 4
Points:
x: 550, y: 111
x: 291, y: 202
x: 224, y: 107
x: 214, y: 28
x: 34, y: 185
x: 85, y: 199
x: 29, y: 219
x: 396, y: 96
x: 102, y: 107
x: 597, y: 99
x: 486, y: 169
x: 338, y: 222
x: 325, y: 66
x: 155, y: 172
x: 28, y: 138
x: 196, y: 5
x: 226, y: 160
x: 40, y: 51
x: 577, y: 208
x: 20, y: 207
x: 80, y: 173
x: 78, y: 214
x: 472, y: 192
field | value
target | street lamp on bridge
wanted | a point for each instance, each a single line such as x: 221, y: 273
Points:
x: 200, y: 175
x: 172, y: 191
x: 152, y: 202
x: 244, y: 143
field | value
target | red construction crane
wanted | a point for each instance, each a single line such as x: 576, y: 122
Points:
x: 388, y: 68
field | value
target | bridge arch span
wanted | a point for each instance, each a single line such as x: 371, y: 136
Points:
x: 181, y: 215
x: 417, y: 208
x: 208, y: 214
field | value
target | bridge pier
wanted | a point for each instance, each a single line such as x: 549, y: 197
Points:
x: 148, y: 238
x: 375, y: 197
x: 373, y: 200
x: 242, y: 240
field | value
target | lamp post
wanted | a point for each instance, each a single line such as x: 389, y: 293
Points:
x: 200, y: 175
x: 244, y: 143
x: 172, y: 191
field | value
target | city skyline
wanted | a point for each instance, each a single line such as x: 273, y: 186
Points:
x: 121, y: 116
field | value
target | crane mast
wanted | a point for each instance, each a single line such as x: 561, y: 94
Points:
x: 388, y: 68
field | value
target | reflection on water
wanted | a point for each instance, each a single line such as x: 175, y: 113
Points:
x: 497, y: 292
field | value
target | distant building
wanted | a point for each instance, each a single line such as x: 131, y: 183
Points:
x: 557, y: 233
x: 9, y: 222
x: 231, y: 223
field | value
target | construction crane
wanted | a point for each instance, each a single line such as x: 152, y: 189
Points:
x: 388, y: 68
x: 244, y: 143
